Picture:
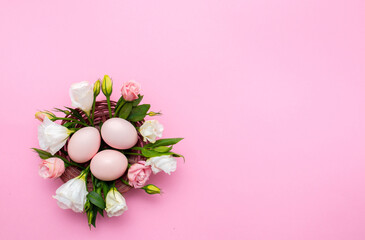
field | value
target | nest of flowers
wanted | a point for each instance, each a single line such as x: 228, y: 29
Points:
x: 102, y: 149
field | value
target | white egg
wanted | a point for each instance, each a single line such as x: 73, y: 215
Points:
x: 84, y: 144
x: 119, y: 133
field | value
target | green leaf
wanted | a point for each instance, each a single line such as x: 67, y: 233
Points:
x: 120, y: 100
x: 178, y: 155
x: 61, y: 110
x: 162, y: 149
x: 164, y: 142
x: 119, y: 105
x: 105, y: 189
x: 125, y: 110
x: 101, y: 212
x: 42, y: 154
x: 151, y: 153
x: 138, y: 113
x: 96, y: 199
x: 137, y: 101
x: 94, y: 215
x: 69, y: 124
x: 76, y: 114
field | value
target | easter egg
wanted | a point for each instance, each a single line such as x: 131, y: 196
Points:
x: 84, y: 144
x: 119, y: 133
x: 108, y: 165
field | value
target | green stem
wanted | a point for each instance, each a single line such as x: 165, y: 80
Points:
x: 125, y: 182
x: 71, y: 119
x: 137, y: 148
x: 93, y: 181
x: 118, y: 109
x: 69, y: 162
x: 109, y: 107
x: 88, y: 117
x: 93, y: 109
x: 130, y: 153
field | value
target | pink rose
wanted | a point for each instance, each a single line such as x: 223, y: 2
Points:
x: 51, y: 168
x: 138, y: 174
x: 130, y: 90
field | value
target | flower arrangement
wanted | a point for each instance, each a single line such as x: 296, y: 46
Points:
x: 102, y: 149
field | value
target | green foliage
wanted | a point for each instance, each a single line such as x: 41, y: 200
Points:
x: 76, y: 114
x: 125, y: 110
x: 164, y: 142
x: 42, y: 154
x: 137, y: 101
x: 96, y: 199
x: 138, y: 113
x: 159, y: 148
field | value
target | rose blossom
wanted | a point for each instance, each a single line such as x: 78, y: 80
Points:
x: 130, y: 90
x: 51, y: 168
x: 138, y: 174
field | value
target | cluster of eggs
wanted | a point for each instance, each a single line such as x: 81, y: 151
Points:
x: 106, y: 165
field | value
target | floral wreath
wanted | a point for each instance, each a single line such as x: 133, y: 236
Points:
x: 102, y: 149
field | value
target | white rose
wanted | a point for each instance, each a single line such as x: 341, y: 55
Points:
x: 72, y: 194
x: 82, y: 96
x: 52, y: 136
x: 115, y: 203
x: 150, y: 130
x: 164, y: 163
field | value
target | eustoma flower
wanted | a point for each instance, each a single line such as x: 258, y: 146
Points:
x: 51, y: 168
x: 150, y: 130
x: 115, y: 203
x: 72, y: 194
x: 42, y: 114
x: 82, y: 96
x: 138, y: 174
x: 130, y: 90
x: 52, y: 136
x: 164, y: 163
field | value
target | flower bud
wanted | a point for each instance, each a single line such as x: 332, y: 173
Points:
x: 153, y: 113
x: 107, y: 86
x: 40, y: 115
x: 90, y: 218
x: 151, y: 189
x: 97, y: 88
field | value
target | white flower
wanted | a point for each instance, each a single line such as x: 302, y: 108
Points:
x: 72, y: 194
x: 52, y: 136
x: 82, y: 96
x: 150, y: 130
x: 164, y: 163
x: 115, y: 203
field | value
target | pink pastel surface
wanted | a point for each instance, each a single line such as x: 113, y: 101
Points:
x: 269, y: 96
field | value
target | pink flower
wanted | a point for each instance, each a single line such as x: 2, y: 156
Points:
x: 41, y: 115
x: 138, y: 174
x: 51, y: 168
x: 130, y: 90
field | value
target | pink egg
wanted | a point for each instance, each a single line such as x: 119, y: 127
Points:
x: 84, y: 144
x: 108, y: 165
x: 119, y: 133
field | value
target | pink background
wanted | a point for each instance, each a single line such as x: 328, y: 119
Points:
x: 268, y: 94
